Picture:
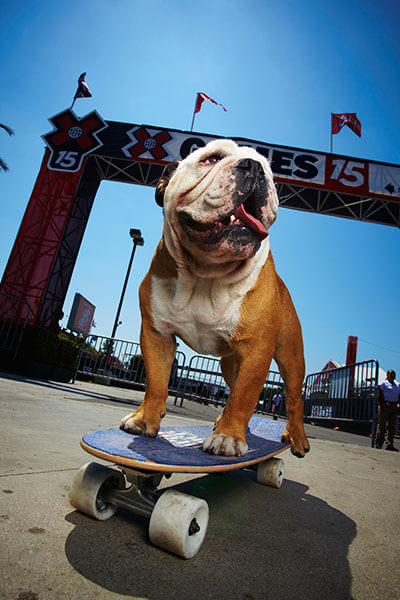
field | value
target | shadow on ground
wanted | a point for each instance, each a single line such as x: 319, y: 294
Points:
x: 68, y: 388
x: 261, y: 543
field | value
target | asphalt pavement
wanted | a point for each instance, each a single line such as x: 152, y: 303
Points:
x: 330, y: 532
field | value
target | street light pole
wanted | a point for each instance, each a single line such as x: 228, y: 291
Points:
x: 137, y: 241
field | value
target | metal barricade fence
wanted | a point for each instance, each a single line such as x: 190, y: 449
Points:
x: 14, y: 315
x: 345, y: 393
x: 107, y: 360
x: 202, y: 381
x: 114, y: 361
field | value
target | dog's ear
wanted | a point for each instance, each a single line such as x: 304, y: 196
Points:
x: 164, y: 181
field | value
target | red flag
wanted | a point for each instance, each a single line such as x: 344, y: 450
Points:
x: 349, y: 119
x: 83, y: 90
x: 200, y: 99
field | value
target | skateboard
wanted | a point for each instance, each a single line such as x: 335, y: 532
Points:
x: 178, y: 521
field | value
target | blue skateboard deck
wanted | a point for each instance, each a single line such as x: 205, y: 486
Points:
x: 178, y: 449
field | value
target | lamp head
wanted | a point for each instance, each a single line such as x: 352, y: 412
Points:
x: 136, y: 235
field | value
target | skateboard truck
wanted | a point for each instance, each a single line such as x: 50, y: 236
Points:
x: 140, y: 496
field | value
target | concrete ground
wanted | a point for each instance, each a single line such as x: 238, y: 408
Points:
x: 331, y: 531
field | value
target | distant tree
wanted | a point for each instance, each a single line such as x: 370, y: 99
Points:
x: 3, y: 164
x: 105, y: 355
x: 107, y: 347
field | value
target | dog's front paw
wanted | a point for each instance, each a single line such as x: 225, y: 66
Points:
x: 135, y: 423
x: 298, y: 441
x: 224, y: 445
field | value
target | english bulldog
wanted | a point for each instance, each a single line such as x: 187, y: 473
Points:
x: 212, y: 282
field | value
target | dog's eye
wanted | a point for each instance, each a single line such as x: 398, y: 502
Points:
x: 211, y: 159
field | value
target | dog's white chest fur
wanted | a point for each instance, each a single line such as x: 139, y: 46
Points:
x: 202, y: 312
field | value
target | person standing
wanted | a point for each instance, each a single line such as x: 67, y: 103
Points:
x: 388, y: 400
x: 276, y: 401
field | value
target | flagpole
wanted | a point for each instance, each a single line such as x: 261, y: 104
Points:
x: 194, y: 112
x: 331, y: 132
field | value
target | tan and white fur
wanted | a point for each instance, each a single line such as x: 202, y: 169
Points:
x: 212, y: 283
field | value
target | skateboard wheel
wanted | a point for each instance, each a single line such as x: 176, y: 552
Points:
x: 178, y: 523
x: 271, y: 472
x: 88, y: 492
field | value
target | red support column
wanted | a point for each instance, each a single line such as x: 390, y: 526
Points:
x: 39, y: 235
x: 351, y: 355
x: 351, y: 358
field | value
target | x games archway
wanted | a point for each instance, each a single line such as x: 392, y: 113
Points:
x: 81, y: 152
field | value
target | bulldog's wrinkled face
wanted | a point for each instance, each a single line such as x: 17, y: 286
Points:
x: 218, y: 203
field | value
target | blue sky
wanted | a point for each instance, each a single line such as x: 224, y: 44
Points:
x: 280, y: 68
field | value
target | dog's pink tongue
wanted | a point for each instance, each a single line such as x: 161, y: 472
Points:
x: 251, y: 221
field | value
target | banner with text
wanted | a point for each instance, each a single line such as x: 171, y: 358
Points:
x: 73, y: 138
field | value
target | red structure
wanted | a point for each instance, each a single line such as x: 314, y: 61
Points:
x: 81, y: 152
x: 29, y: 267
x: 351, y: 356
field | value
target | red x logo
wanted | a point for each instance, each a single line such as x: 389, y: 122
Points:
x: 72, y: 139
x: 71, y: 129
x: 148, y: 143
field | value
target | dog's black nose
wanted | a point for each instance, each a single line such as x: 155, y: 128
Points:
x: 245, y: 163
x: 248, y: 164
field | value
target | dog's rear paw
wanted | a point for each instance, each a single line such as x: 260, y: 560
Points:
x: 299, y: 445
x: 224, y: 445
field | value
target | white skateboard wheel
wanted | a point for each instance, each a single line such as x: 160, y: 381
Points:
x: 89, y: 487
x: 178, y: 523
x: 271, y: 472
